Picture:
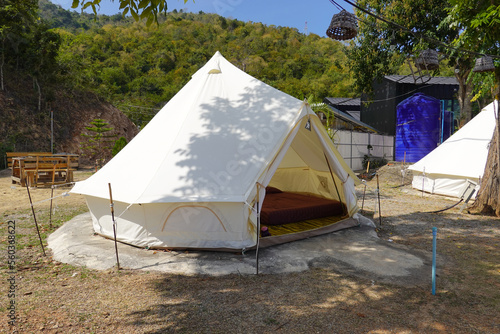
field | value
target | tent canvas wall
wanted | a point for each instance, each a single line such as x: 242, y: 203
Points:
x: 193, y: 176
x: 461, y: 157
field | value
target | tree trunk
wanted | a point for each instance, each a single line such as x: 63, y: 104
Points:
x: 464, y: 96
x: 39, y: 94
x: 1, y: 66
x: 1, y: 73
x: 488, y: 198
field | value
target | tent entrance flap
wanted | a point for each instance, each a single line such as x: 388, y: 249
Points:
x: 306, y: 165
x: 303, y: 189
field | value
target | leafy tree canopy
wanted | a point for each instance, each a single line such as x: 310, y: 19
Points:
x: 381, y: 48
x: 479, y: 26
x: 139, y: 9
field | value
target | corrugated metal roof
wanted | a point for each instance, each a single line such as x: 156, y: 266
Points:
x: 409, y: 79
x: 345, y: 101
x: 351, y: 120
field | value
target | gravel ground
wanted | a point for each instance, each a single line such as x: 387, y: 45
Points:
x: 52, y: 297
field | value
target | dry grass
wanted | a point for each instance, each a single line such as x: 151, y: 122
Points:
x: 57, y: 298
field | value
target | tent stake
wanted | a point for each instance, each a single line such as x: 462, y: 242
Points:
x: 258, y: 241
x: 51, y: 199
x: 364, y: 192
x: 403, y: 172
x: 379, y: 212
x: 34, y: 217
x: 423, y: 181
x: 114, y: 224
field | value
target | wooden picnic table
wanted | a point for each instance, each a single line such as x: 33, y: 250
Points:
x: 42, y: 170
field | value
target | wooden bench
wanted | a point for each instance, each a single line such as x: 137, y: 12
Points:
x: 40, y: 170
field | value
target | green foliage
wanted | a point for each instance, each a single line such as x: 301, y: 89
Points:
x: 382, y: 48
x: 98, y: 142
x: 5, y: 147
x: 375, y: 162
x: 18, y: 17
x: 479, y: 26
x: 329, y: 116
x: 139, y: 68
x: 119, y: 145
x: 28, y: 47
x: 42, y: 52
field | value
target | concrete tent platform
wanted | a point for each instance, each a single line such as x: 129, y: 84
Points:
x: 355, y: 251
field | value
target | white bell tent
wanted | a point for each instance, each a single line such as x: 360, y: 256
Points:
x: 195, y: 176
x: 448, y: 169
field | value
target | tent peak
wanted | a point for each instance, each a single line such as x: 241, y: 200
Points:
x: 215, y: 68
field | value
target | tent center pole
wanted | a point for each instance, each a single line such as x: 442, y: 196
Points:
x: 335, y: 183
x: 258, y: 230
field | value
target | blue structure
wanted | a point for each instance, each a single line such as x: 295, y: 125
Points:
x: 379, y: 110
x: 418, y: 127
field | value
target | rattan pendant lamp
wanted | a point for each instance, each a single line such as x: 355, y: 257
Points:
x: 427, y: 60
x: 484, y: 64
x: 343, y: 26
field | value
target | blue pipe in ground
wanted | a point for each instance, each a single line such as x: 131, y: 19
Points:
x: 434, y: 234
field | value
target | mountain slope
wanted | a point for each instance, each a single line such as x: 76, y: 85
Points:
x: 24, y: 128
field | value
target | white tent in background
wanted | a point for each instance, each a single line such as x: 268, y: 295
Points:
x: 462, y: 157
x: 193, y: 176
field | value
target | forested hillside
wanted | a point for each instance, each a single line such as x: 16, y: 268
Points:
x: 138, y: 67
x: 58, y: 60
x: 34, y: 88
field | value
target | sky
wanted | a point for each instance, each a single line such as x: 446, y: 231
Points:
x: 286, y: 13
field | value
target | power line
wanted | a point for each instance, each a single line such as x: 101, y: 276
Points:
x: 339, y: 7
x: 141, y: 107
x: 404, y: 94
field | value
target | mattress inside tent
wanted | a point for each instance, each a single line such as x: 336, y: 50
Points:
x: 289, y: 215
x: 281, y: 208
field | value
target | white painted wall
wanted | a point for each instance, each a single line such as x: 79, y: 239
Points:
x: 354, y: 145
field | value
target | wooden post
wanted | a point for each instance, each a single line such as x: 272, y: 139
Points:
x: 258, y: 231
x: 364, y: 192
x: 258, y: 240
x: 35, y: 180
x: 51, y: 198
x: 114, y: 224
x: 379, y: 212
x: 34, y: 217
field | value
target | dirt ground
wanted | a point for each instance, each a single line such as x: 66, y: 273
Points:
x: 52, y: 297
